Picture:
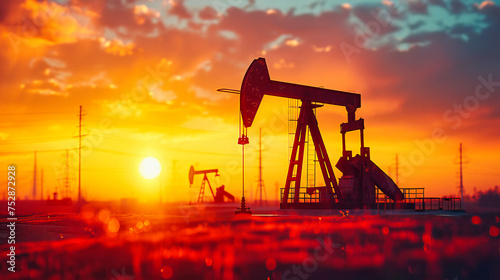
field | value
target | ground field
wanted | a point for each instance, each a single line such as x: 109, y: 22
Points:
x: 200, y: 243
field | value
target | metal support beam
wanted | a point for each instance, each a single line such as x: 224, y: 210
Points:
x: 308, y: 119
x: 323, y: 159
x: 296, y: 158
x: 257, y: 83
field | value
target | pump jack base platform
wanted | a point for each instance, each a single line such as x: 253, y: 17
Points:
x: 243, y: 209
x: 347, y: 205
x: 240, y: 211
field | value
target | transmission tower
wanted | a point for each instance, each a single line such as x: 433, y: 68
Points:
x: 41, y: 185
x: 34, y: 179
x: 80, y: 116
x: 261, y: 189
x: 461, y: 175
x: 67, y: 185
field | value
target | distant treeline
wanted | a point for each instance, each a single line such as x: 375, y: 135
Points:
x: 489, y: 198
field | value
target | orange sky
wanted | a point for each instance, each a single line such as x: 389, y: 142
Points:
x: 146, y: 74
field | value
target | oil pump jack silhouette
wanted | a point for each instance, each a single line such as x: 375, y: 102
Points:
x: 356, y: 188
x: 220, y: 192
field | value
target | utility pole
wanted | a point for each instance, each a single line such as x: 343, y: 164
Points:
x: 80, y: 155
x: 261, y: 182
x: 41, y: 185
x: 397, y: 170
x: 461, y: 176
x: 66, y: 181
x: 34, y: 179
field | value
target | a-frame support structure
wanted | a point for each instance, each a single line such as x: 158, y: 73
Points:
x: 201, y: 194
x: 307, y: 119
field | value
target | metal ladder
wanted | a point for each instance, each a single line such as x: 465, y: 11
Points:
x: 311, y: 157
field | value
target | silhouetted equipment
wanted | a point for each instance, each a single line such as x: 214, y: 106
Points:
x: 242, y: 140
x: 34, y: 179
x: 41, y: 185
x: 80, y: 157
x: 67, y: 184
x: 356, y: 188
x: 260, y: 188
x: 57, y: 201
x: 80, y: 135
x: 220, y: 192
x: 461, y: 175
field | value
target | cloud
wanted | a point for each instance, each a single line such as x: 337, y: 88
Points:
x: 162, y: 96
x: 178, y: 9
x: 485, y: 4
x: 117, y: 47
x: 457, y: 7
x: 127, y: 20
x: 418, y: 6
x: 6, y: 9
x: 39, y: 24
x: 438, y: 3
x: 208, y: 13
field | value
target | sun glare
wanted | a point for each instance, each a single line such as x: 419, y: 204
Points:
x: 150, y: 168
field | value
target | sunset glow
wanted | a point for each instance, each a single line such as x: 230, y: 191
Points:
x: 150, y: 168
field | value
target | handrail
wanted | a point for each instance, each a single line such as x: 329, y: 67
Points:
x: 412, y: 195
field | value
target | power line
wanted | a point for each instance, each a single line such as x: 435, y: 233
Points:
x: 118, y: 152
x: 135, y: 142
x: 34, y: 113
x: 35, y: 140
x: 32, y: 119
x: 29, y: 152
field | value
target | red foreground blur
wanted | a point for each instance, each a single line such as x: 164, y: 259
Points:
x: 196, y: 243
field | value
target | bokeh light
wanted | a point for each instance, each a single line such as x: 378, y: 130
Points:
x: 271, y: 264
x: 166, y: 272
x: 494, y: 231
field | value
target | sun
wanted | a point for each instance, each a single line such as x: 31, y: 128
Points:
x: 150, y: 168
